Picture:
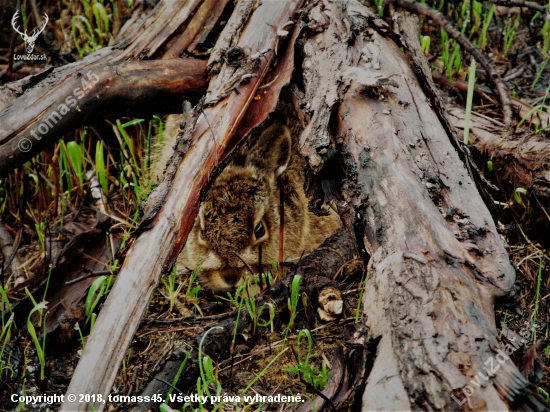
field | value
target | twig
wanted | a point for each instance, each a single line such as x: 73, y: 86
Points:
x: 35, y: 12
x: 281, y: 226
x: 19, y: 236
x: 16, y: 67
x: 9, y: 69
x: 90, y: 274
x: 16, y: 244
x: 168, y: 383
x: 541, y: 206
x: 319, y: 393
x: 519, y: 3
x: 439, y: 19
x: 6, y: 245
x: 244, y: 261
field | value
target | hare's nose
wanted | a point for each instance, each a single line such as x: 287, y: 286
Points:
x: 233, y: 277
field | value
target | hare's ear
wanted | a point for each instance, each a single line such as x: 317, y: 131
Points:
x: 272, y: 151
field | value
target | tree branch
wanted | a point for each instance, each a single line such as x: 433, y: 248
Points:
x: 107, y: 90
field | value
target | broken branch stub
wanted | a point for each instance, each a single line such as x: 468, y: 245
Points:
x: 168, y: 230
x: 437, y: 262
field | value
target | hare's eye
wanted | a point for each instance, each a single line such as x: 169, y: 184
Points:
x: 259, y: 232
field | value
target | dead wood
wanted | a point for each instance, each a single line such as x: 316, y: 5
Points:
x: 142, y: 37
x: 437, y: 263
x: 520, y: 3
x: 107, y: 90
x: 517, y: 167
x: 533, y: 118
x: 8, y: 248
x: 350, y: 368
x: 207, y: 140
x: 198, y: 28
x: 82, y: 245
x: 321, y: 265
x: 519, y: 160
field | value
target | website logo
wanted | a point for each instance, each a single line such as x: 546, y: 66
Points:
x: 29, y: 40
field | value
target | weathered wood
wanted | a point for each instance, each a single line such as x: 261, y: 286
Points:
x: 437, y: 263
x: 494, y: 76
x: 533, y: 118
x: 200, y: 25
x: 519, y: 160
x: 109, y: 90
x: 208, y: 144
x: 143, y: 39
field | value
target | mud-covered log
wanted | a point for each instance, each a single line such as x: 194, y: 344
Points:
x: 437, y: 263
x: 206, y: 142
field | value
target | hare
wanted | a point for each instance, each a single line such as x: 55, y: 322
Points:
x: 239, y: 218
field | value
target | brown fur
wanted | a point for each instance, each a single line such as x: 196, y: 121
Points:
x: 245, y: 194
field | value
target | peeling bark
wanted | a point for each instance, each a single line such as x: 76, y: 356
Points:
x: 437, y: 263
x: 206, y: 142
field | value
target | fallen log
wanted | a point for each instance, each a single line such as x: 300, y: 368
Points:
x: 518, y: 160
x: 207, y: 140
x: 128, y: 87
x: 78, y: 85
x: 109, y: 90
x: 510, y: 158
x: 437, y: 263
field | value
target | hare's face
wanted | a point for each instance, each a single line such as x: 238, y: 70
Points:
x: 235, y: 220
x: 240, y: 215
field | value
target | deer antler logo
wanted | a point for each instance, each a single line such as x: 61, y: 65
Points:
x: 29, y: 40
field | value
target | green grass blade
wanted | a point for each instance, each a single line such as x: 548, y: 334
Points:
x: 469, y: 100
